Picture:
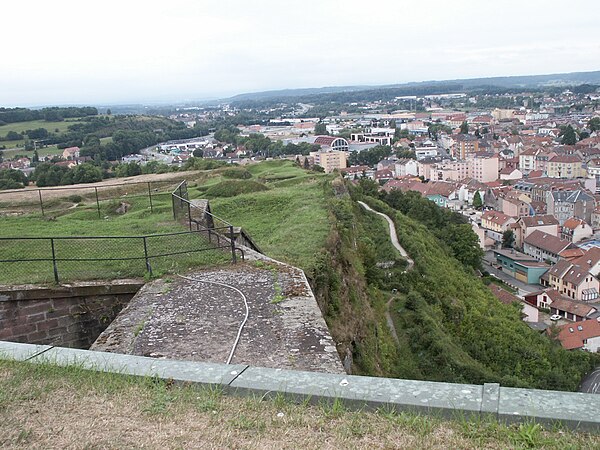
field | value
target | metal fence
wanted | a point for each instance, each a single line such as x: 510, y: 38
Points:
x: 197, y: 216
x: 47, y: 259
x: 59, y: 259
x: 56, y: 200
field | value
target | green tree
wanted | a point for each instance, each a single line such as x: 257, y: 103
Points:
x: 320, y: 129
x: 508, y: 239
x: 12, y: 179
x: 198, y: 153
x: 464, y: 244
x: 13, y: 136
x: 569, y: 137
x: 464, y: 128
x: 477, y: 201
x: 594, y: 124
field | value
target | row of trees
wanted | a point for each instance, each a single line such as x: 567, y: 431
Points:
x: 54, y: 114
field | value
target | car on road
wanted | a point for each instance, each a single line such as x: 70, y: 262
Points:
x: 556, y: 317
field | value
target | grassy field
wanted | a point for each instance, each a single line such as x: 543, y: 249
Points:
x: 42, y: 151
x: 52, y: 127
x: 82, y: 220
x: 19, y: 127
x: 44, y: 406
x: 289, y: 221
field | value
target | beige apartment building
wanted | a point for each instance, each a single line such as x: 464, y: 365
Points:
x: 330, y: 160
x: 565, y: 166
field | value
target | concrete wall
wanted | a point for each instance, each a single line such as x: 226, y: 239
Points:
x: 568, y: 409
x: 69, y: 315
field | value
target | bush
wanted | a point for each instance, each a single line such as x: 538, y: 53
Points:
x: 239, y: 173
x: 75, y: 198
x: 233, y: 188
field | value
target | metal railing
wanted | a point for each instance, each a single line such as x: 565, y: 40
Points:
x: 46, y: 259
x: 199, y: 218
x: 53, y: 200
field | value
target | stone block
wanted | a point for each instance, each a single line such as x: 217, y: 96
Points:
x: 20, y: 352
x: 573, y: 409
x: 181, y: 371
x: 409, y: 395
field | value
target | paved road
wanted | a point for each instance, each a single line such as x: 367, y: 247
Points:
x: 411, y: 263
x: 591, y: 383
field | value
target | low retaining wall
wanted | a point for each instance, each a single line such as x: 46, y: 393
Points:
x: 68, y: 315
x: 570, y: 409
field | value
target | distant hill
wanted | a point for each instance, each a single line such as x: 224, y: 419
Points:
x: 525, y: 81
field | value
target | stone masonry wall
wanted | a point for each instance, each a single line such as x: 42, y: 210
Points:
x: 67, y: 316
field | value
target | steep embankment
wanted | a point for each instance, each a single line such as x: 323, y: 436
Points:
x: 457, y: 331
x: 449, y: 326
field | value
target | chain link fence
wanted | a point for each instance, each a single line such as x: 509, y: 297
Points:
x: 210, y: 240
x: 197, y: 216
x: 55, y: 201
x: 60, y: 259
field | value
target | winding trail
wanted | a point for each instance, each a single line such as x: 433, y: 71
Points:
x: 410, y: 265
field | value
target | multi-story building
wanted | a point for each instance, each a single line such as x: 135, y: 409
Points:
x: 565, y: 166
x: 566, y: 204
x: 527, y: 225
x: 574, y: 278
x: 330, y: 160
x: 495, y: 223
x: 527, y: 159
x: 328, y: 143
x: 464, y: 144
x: 483, y: 167
x: 545, y: 247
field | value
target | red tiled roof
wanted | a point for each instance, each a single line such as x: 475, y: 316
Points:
x: 566, y: 159
x: 547, y: 242
x: 573, y: 223
x: 539, y: 221
x: 503, y: 295
x: 572, y: 335
x: 497, y: 217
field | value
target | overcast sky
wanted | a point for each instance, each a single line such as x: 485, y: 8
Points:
x: 119, y: 51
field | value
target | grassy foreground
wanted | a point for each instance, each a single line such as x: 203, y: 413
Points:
x: 44, y: 406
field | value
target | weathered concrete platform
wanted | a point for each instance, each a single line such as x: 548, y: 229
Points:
x: 199, y: 320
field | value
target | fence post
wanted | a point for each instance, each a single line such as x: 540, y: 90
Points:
x: 150, y: 197
x: 97, y: 202
x: 173, y: 202
x: 148, y: 266
x: 41, y: 202
x: 56, y: 280
x: 189, y: 214
x: 232, y: 240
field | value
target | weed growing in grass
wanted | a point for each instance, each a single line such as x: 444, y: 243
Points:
x: 334, y: 409
x: 529, y: 434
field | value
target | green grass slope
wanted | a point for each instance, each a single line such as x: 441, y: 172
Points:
x: 458, y: 331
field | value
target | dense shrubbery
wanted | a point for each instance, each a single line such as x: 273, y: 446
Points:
x: 54, y: 114
x: 12, y: 179
x: 202, y: 164
x: 53, y: 175
x: 456, y: 330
